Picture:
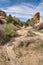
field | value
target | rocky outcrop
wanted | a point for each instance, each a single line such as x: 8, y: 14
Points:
x: 2, y: 17
x: 2, y: 21
x: 37, y: 16
x: 2, y: 13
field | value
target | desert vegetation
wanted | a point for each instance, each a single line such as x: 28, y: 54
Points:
x: 7, y: 35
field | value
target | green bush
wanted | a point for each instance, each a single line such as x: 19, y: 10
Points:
x: 30, y: 22
x: 9, y: 19
x: 14, y: 21
x: 4, y: 39
x: 10, y: 32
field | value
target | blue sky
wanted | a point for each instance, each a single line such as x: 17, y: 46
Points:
x: 23, y: 9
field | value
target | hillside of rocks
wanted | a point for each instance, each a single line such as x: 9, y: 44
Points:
x: 36, y: 21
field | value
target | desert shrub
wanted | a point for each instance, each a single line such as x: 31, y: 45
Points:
x: 10, y: 32
x: 27, y: 23
x: 30, y: 22
x: 9, y: 19
x: 24, y: 43
x: 38, y: 44
x: 21, y: 44
x: 17, y: 22
x: 14, y: 21
x: 4, y: 39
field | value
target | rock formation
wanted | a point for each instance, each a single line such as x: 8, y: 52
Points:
x: 2, y: 17
x: 37, y: 16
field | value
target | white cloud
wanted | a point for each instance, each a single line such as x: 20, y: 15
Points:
x: 25, y: 10
x: 21, y: 10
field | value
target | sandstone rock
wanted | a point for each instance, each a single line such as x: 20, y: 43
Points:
x: 2, y: 21
x: 37, y: 16
x: 2, y: 17
x: 2, y: 13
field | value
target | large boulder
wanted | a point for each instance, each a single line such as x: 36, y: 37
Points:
x: 37, y: 16
x: 2, y: 13
x: 2, y: 17
x: 3, y: 21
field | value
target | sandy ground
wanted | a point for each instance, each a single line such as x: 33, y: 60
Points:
x: 28, y: 56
